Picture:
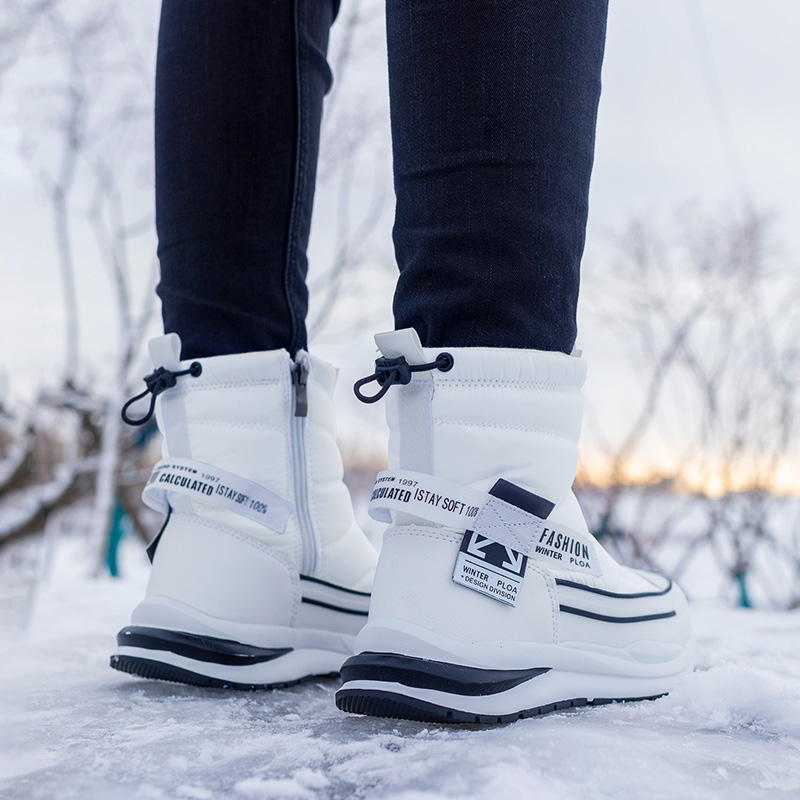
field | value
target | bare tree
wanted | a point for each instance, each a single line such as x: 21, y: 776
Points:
x: 86, y: 136
x: 705, y: 316
x: 18, y: 20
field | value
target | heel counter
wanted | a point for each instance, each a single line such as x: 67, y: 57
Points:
x: 223, y: 573
x: 413, y: 584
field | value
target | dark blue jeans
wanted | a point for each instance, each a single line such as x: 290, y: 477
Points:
x: 493, y: 106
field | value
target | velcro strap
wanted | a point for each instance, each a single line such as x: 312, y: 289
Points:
x: 508, y: 525
x: 508, y: 515
x: 427, y: 497
x: 551, y: 543
x: 216, y: 486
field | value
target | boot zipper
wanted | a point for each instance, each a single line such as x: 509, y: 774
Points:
x: 308, y: 545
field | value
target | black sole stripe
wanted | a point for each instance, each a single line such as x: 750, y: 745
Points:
x: 395, y: 706
x: 334, y: 586
x: 441, y: 676
x: 198, y: 648
x: 323, y: 604
x: 159, y: 671
x: 603, y: 618
x: 605, y: 593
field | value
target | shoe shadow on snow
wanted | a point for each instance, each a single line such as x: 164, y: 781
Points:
x: 289, y: 700
x: 309, y: 702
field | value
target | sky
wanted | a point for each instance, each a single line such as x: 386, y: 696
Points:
x: 699, y: 105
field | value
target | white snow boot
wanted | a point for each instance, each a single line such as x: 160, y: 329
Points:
x: 492, y: 601
x: 261, y: 576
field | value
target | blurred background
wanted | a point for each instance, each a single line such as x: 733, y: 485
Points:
x: 690, y: 459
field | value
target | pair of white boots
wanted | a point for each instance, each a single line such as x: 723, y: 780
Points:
x: 491, y: 600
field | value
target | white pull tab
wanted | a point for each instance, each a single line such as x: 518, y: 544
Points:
x: 165, y: 351
x: 405, y: 342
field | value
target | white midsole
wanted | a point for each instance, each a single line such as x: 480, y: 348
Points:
x: 642, y: 660
x: 172, y: 615
x: 551, y: 687
x: 289, y: 667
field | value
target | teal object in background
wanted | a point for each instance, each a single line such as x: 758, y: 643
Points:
x: 119, y: 526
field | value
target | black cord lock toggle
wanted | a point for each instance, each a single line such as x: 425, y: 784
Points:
x: 158, y: 381
x: 391, y: 371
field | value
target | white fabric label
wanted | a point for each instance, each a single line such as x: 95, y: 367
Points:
x: 563, y: 548
x: 426, y: 497
x: 490, y: 568
x: 218, y: 487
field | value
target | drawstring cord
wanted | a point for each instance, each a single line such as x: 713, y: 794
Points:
x: 157, y: 382
x: 391, y: 371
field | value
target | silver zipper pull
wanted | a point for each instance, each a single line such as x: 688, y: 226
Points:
x: 300, y: 381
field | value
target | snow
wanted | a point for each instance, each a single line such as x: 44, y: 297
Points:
x: 72, y: 727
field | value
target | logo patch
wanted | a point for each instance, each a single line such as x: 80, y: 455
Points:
x: 490, y: 568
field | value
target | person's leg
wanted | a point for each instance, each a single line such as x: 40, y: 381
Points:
x: 239, y: 91
x: 492, y: 600
x: 494, y: 104
x: 261, y: 576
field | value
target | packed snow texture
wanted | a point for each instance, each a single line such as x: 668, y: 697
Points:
x: 72, y: 727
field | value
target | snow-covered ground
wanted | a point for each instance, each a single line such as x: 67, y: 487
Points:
x: 72, y: 727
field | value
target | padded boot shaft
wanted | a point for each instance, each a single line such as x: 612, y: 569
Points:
x: 497, y: 412
x: 241, y: 415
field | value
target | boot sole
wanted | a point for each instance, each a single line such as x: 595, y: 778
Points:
x: 406, y: 687
x: 394, y: 706
x: 155, y: 670
x: 180, y: 657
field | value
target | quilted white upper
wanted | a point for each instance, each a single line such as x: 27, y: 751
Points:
x: 497, y: 413
x: 237, y: 415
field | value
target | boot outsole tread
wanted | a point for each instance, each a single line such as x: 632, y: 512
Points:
x: 375, y: 703
x: 156, y: 670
